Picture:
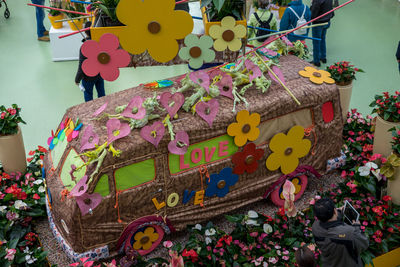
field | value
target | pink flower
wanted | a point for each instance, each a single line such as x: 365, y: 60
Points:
x: 350, y: 132
x: 36, y: 196
x: 312, y: 201
x: 272, y: 260
x: 89, y: 138
x: 253, y: 69
x: 285, y: 258
x: 167, y: 244
x: 225, y: 86
x: 176, y: 261
x: 117, y: 130
x: 201, y: 78
x: 87, y: 203
x: 3, y: 115
x: 80, y: 188
x: 317, y: 197
x: 104, y: 57
x: 12, y: 111
x: 254, y: 234
x: 135, y: 109
x: 351, y: 185
x: 10, y: 254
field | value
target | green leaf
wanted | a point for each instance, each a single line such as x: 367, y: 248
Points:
x: 205, y: 3
x: 385, y: 246
x: 13, y: 243
x: 386, y: 116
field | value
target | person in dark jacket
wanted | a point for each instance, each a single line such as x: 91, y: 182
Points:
x: 319, y: 7
x: 340, y: 244
x: 182, y: 6
x: 398, y: 55
x: 292, y: 14
x: 88, y: 82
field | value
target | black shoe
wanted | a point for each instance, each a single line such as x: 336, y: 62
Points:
x: 315, y: 64
x: 323, y: 60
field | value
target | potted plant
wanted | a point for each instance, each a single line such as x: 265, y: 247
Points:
x: 215, y: 10
x: 12, y: 150
x: 387, y: 107
x: 390, y: 167
x: 280, y: 6
x: 75, y: 24
x: 343, y: 73
x: 55, y: 15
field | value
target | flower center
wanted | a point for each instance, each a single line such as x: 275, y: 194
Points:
x: 316, y: 74
x: 228, y: 35
x: 90, y: 139
x: 221, y: 184
x: 87, y: 201
x: 225, y: 88
x: 246, y: 128
x: 195, y: 52
x: 154, y: 27
x: 103, y: 58
x: 135, y: 110
x: 288, y: 151
x: 116, y: 132
x: 249, y: 159
x: 144, y: 240
x: 81, y: 188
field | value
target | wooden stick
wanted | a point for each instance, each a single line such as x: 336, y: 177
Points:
x: 59, y: 9
x: 72, y: 33
x: 83, y: 17
x: 277, y: 78
x: 275, y: 33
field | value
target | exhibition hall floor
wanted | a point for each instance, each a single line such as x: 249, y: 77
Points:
x: 366, y: 33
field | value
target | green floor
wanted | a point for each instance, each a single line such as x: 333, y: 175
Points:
x: 365, y: 32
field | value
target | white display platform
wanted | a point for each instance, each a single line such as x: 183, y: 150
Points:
x: 66, y: 48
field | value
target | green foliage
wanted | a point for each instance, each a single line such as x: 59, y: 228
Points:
x: 218, y: 9
x: 9, y: 119
x: 387, y: 106
x: 395, y: 139
x: 107, y: 7
x: 72, y: 6
x: 281, y: 2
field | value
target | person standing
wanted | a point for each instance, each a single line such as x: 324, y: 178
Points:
x: 40, y: 29
x: 319, y: 7
x: 261, y: 18
x: 294, y: 13
x: 398, y: 54
x: 88, y: 82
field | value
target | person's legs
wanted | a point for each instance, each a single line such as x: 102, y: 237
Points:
x: 323, y: 41
x: 88, y: 94
x: 316, y: 33
x: 100, y: 87
x: 40, y: 29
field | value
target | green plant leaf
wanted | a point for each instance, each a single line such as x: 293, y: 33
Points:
x: 205, y: 3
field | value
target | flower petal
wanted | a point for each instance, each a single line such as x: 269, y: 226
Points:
x: 235, y: 44
x: 90, y: 49
x: 240, y: 31
x: 273, y: 162
x: 220, y: 45
x: 184, y: 53
x: 289, y: 164
x: 108, y: 42
x: 228, y: 22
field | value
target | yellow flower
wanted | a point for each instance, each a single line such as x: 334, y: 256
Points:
x: 153, y: 26
x: 227, y: 34
x: 317, y: 76
x: 245, y: 128
x: 287, y: 149
x: 144, y: 240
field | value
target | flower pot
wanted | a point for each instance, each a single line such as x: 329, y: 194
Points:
x: 393, y: 186
x: 382, y: 137
x: 76, y: 24
x: 390, y: 259
x: 56, y: 25
x: 345, y: 97
x: 12, y: 152
x: 102, y: 26
x: 208, y: 24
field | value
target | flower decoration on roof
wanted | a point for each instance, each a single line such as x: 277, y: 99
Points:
x: 197, y: 50
x: 253, y: 69
x: 100, y: 110
x: 180, y: 144
x: 172, y: 102
x: 88, y: 202
x: 89, y: 139
x: 80, y: 188
x: 117, y: 130
x: 246, y: 160
x: 227, y: 35
x: 104, y: 57
x: 153, y: 133
x: 245, y: 128
x: 144, y: 240
x: 219, y: 183
x: 287, y: 149
x: 135, y: 109
x: 225, y: 86
x: 208, y: 110
x: 317, y: 76
x: 153, y: 26
x: 201, y: 78
x: 66, y: 130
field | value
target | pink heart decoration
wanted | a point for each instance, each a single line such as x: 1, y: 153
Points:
x: 89, y: 138
x: 208, y: 110
x: 80, y: 188
x: 201, y: 78
x: 159, y: 130
x: 88, y: 202
x: 225, y: 86
x: 167, y: 98
x: 180, y: 145
x: 278, y: 73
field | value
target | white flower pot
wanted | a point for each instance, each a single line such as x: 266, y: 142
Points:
x: 382, y: 136
x: 12, y: 153
x: 345, y: 97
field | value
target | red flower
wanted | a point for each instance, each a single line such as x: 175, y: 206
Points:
x: 12, y: 111
x: 22, y: 195
x: 390, y: 230
x: 246, y: 160
x: 378, y: 240
x: 29, y: 159
x: 378, y: 210
x: 281, y: 212
x: 36, y: 196
x: 31, y: 153
x: 42, y: 149
x: 387, y: 198
x: 191, y: 253
x: 3, y: 115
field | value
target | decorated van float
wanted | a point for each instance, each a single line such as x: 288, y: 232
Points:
x: 128, y: 168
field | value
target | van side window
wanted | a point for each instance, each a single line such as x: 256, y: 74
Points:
x: 102, y: 186
x: 135, y: 174
x: 66, y: 169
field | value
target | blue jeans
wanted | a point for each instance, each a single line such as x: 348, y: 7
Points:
x: 40, y: 29
x: 319, y: 47
x: 88, y: 94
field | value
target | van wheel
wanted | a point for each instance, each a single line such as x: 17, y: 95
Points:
x: 300, y: 183
x: 145, y: 239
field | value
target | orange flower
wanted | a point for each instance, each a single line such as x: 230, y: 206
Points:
x: 317, y: 76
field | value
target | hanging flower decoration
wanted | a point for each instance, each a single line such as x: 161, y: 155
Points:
x: 180, y: 144
x: 172, y: 102
x: 153, y: 26
x: 246, y: 160
x: 89, y: 139
x: 135, y: 109
x: 201, y: 78
x: 317, y: 76
x: 80, y: 188
x: 153, y: 133
x: 208, y: 110
x: 225, y: 86
x: 227, y: 35
x: 253, y: 69
x: 104, y: 57
x: 219, y: 183
x: 245, y: 128
x: 100, y: 110
x: 144, y: 240
x: 287, y: 149
x: 197, y: 50
x: 288, y: 193
x: 87, y: 203
x: 117, y: 130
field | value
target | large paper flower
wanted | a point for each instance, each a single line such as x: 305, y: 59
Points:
x: 135, y: 109
x: 104, y: 57
x: 227, y: 35
x: 144, y: 240
x: 87, y: 203
x: 220, y: 182
x: 245, y: 128
x: 246, y: 160
x: 201, y: 78
x: 153, y: 26
x: 89, y: 138
x: 287, y: 149
x: 117, y: 130
x: 317, y: 76
x: 197, y: 50
x: 80, y: 188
